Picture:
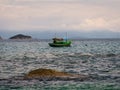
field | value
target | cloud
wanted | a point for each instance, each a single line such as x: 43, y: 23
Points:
x: 87, y: 15
x: 97, y: 24
x: 91, y: 24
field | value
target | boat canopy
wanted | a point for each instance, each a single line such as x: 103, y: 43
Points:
x: 58, y: 39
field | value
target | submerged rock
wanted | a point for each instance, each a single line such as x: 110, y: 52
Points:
x: 20, y: 36
x: 49, y: 74
x: 110, y: 55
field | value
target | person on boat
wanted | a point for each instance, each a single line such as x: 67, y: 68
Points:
x: 54, y: 41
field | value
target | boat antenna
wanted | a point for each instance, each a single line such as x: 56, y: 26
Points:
x: 66, y: 36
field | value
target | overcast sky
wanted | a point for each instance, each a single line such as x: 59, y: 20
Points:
x: 60, y: 15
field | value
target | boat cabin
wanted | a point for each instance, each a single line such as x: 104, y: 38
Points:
x: 57, y: 40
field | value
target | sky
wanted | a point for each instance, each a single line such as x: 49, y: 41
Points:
x: 44, y: 18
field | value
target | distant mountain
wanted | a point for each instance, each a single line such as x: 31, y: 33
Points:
x: 71, y: 34
x: 20, y: 36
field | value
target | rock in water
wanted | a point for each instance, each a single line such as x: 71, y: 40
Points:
x: 45, y: 72
x: 20, y: 36
x: 50, y: 74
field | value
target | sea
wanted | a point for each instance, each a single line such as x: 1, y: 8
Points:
x: 97, y: 58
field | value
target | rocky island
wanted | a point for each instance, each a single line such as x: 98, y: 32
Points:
x: 20, y: 36
x: 0, y: 38
x: 49, y: 74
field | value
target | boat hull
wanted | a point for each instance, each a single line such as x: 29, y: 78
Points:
x: 67, y: 44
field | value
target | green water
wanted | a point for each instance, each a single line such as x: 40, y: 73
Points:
x: 86, y: 86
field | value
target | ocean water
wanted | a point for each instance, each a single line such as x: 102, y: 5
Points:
x: 99, y: 59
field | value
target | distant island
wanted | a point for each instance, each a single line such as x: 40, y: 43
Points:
x: 0, y: 38
x: 20, y: 36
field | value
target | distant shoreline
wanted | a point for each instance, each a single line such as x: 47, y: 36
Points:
x: 83, y: 39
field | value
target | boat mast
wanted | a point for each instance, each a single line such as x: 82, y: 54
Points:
x: 66, y: 37
x: 55, y: 35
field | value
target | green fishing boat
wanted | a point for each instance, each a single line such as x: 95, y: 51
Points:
x: 60, y: 42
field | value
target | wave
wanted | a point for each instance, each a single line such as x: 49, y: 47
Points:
x: 91, y: 55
